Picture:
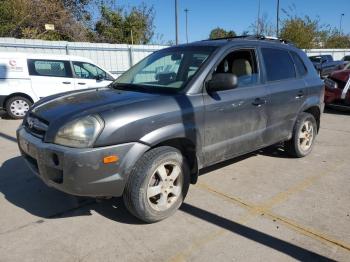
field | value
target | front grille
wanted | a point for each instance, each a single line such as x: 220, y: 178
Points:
x: 36, y: 126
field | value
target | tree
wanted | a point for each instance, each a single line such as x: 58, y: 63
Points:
x: 219, y: 32
x: 17, y: 19
x: 119, y: 25
x: 337, y: 40
x: 77, y: 8
x: 304, y: 32
x: 263, y: 26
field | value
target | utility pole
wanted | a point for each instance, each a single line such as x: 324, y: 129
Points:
x: 258, y: 21
x: 340, y: 24
x: 132, y: 37
x: 186, y: 11
x: 176, y: 24
x: 278, y: 18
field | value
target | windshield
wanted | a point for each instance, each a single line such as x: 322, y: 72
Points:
x: 168, y: 69
x: 347, y: 67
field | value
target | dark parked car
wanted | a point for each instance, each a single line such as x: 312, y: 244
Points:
x: 338, y: 89
x: 146, y: 136
x: 325, y: 64
x: 346, y: 59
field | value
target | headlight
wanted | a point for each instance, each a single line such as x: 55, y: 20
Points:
x: 80, y: 133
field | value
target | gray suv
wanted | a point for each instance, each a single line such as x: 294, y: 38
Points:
x: 146, y: 136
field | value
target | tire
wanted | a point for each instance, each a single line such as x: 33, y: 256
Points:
x: 304, y: 135
x: 152, y: 174
x: 17, y: 107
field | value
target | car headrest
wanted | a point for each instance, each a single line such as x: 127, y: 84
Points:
x: 241, y: 67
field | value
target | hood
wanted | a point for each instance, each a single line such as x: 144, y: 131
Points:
x: 342, y: 75
x: 73, y: 104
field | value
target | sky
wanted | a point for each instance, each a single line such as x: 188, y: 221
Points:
x: 237, y: 15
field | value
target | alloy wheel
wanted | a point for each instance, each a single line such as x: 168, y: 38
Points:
x: 306, y: 136
x: 165, y: 186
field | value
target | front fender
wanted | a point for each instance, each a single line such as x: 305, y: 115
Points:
x: 169, y: 132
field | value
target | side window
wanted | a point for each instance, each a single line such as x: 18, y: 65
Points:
x: 54, y: 68
x: 241, y: 63
x: 278, y: 64
x: 88, y: 71
x: 299, y: 64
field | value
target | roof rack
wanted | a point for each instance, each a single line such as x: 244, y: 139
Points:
x: 254, y: 37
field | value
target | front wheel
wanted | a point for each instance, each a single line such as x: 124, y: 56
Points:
x: 304, y: 134
x: 157, y: 185
x: 17, y: 106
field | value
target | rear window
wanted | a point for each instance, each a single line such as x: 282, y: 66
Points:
x: 54, y: 68
x: 315, y: 59
x: 346, y: 58
x: 278, y: 63
x: 299, y: 64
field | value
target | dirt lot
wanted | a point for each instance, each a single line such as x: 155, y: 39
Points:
x: 260, y: 207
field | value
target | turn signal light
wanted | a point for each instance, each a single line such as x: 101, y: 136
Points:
x: 110, y: 159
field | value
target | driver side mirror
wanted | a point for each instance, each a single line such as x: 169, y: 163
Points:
x: 99, y: 77
x: 222, y: 81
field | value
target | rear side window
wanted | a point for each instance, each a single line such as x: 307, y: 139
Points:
x: 299, y: 64
x: 278, y: 63
x: 54, y: 68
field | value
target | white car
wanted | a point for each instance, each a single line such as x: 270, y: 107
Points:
x: 26, y: 78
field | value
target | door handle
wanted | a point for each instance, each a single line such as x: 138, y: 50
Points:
x: 259, y: 102
x: 81, y: 83
x: 66, y: 82
x: 300, y: 94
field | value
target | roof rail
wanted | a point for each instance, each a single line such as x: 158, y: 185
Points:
x: 254, y: 37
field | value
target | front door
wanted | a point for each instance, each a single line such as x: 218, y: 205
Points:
x: 50, y: 77
x: 235, y: 119
x: 88, y: 75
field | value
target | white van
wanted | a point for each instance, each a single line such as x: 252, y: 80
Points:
x: 26, y: 78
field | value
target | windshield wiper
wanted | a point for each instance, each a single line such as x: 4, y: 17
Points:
x: 127, y: 86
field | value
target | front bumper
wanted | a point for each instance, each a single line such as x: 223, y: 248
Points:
x: 80, y: 171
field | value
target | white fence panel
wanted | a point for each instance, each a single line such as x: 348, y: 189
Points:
x: 337, y: 54
x: 116, y: 58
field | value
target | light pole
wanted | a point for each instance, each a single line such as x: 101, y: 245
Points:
x: 340, y: 24
x: 186, y: 11
x: 176, y: 24
x: 278, y: 18
x: 258, y: 20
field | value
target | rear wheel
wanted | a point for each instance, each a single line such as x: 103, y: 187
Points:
x: 304, y: 134
x: 17, y: 106
x: 157, y: 185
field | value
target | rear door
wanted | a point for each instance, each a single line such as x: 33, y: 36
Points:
x: 50, y: 77
x: 287, y: 91
x: 88, y: 75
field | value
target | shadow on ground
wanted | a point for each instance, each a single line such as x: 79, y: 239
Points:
x: 23, y: 189
x: 337, y: 111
